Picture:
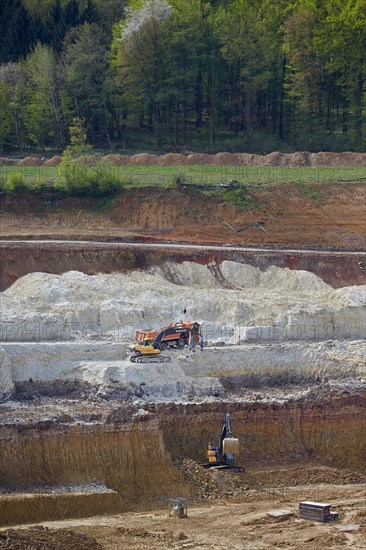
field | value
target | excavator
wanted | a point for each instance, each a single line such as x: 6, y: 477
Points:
x: 150, y: 343
x: 222, y: 457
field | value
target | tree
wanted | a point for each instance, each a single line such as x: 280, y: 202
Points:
x: 244, y: 45
x: 342, y: 41
x: 85, y: 58
x: 138, y: 59
x: 12, y: 83
x: 15, y: 31
x: 185, y: 45
x: 325, y: 44
x: 44, y: 120
x: 77, y: 139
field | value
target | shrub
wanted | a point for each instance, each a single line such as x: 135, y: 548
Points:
x: 239, y: 197
x: 83, y: 178
x: 14, y: 183
x: 40, y: 185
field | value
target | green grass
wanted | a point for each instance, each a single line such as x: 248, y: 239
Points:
x: 165, y: 176
x: 103, y: 205
x: 238, y: 197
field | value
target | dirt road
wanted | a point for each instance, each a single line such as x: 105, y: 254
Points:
x: 238, y: 523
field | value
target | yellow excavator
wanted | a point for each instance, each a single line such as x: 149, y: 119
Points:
x: 222, y: 457
x: 146, y: 353
x: 150, y: 343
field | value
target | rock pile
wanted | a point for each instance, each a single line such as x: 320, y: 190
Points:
x: 208, y: 484
x: 234, y: 302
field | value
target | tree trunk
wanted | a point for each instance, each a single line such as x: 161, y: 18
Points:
x: 358, y: 107
x: 282, y: 99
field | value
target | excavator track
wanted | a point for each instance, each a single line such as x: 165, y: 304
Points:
x: 231, y: 467
x: 152, y: 359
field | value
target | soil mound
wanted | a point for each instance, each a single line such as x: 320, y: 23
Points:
x: 54, y: 161
x: 272, y: 159
x: 246, y: 159
x: 44, y: 538
x: 210, y: 484
x: 30, y: 161
x: 200, y: 158
x: 276, y: 158
x: 348, y: 158
x: 117, y: 160
x: 172, y: 159
x: 143, y: 158
x: 89, y: 160
x: 226, y: 158
x: 301, y: 158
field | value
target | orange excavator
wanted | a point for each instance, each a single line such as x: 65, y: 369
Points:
x: 150, y: 343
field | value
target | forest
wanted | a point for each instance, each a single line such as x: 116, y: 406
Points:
x: 176, y: 75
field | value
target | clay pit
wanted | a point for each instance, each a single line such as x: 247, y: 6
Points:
x: 85, y: 432
x: 93, y: 446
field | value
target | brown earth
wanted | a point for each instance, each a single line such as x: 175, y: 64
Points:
x: 332, y: 215
x: 240, y: 522
x: 336, y: 218
x: 276, y: 158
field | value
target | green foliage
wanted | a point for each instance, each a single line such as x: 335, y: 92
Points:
x: 80, y: 177
x: 14, y: 183
x: 40, y: 185
x: 44, y: 117
x: 104, y: 204
x: 87, y: 80
x: 78, y: 141
x: 5, y: 116
x: 309, y: 189
x: 239, y: 197
x: 183, y: 74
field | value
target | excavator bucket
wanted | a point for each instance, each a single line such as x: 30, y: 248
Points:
x: 230, y: 445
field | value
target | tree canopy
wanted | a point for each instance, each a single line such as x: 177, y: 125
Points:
x: 236, y: 74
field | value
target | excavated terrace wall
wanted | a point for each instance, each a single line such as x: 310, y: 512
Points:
x: 129, y: 457
x: 34, y: 508
x: 330, y: 431
x: 18, y: 259
x: 134, y: 457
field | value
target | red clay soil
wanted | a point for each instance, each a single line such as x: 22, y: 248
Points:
x: 335, y: 218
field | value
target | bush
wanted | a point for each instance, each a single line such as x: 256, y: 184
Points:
x: 83, y: 178
x: 239, y: 197
x: 40, y: 185
x: 14, y: 183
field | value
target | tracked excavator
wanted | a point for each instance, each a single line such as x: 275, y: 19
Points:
x: 222, y: 457
x: 150, y: 343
